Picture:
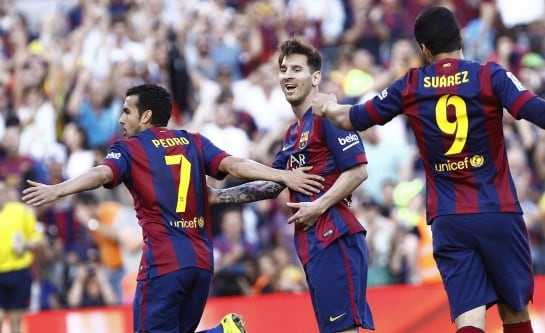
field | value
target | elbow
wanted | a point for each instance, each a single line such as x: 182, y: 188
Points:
x: 105, y: 179
x: 365, y: 176
x: 100, y: 175
x: 361, y: 175
x: 235, y: 172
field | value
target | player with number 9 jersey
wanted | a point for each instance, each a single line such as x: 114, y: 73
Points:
x: 452, y: 107
x: 455, y: 108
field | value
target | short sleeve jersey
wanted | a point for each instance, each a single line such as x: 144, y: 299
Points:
x: 165, y: 171
x: 316, y: 142
x: 455, y: 109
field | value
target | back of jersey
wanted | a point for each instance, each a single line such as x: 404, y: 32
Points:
x: 456, y: 114
x: 165, y: 172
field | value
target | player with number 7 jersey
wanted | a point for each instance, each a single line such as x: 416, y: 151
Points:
x: 165, y: 171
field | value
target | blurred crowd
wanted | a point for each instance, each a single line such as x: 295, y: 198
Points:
x: 64, y: 69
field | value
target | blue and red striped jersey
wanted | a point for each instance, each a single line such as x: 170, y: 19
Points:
x: 329, y: 150
x: 165, y: 171
x: 455, y: 109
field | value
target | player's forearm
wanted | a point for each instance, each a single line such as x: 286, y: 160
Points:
x: 107, y: 291
x: 75, y: 293
x: 249, y: 192
x: 92, y: 179
x: 248, y: 169
x: 533, y: 111
x: 339, y: 114
x: 347, y: 182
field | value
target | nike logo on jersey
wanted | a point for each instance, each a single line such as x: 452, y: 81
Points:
x: 284, y: 148
x: 332, y: 319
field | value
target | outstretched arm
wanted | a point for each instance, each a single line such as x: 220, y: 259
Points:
x: 297, y: 180
x: 248, y: 192
x: 533, y: 111
x: 39, y: 194
x: 325, y: 105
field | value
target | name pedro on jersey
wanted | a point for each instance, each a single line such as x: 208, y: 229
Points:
x: 446, y: 80
x: 170, y: 142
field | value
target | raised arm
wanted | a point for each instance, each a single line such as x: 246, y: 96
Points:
x: 39, y: 194
x: 533, y: 111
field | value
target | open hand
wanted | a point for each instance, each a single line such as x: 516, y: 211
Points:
x: 39, y: 194
x: 299, y: 180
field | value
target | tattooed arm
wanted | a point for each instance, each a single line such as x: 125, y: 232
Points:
x: 299, y: 179
x: 248, y: 192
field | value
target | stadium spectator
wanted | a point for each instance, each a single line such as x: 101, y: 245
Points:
x: 90, y: 287
x: 20, y: 234
x: 15, y: 167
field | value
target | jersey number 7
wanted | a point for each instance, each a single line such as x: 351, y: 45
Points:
x: 185, y: 175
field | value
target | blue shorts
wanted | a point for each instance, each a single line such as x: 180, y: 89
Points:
x: 337, y: 279
x: 171, y: 303
x: 483, y: 259
x: 15, y: 289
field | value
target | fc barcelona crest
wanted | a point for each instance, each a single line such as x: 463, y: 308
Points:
x: 303, y: 140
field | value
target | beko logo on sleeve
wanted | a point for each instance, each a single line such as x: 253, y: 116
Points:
x: 113, y: 155
x: 350, y: 140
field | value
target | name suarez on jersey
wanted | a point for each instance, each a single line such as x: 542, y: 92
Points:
x: 446, y: 80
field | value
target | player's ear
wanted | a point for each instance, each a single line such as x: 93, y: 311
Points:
x: 426, y: 52
x: 146, y: 117
x: 422, y: 48
x: 316, y: 78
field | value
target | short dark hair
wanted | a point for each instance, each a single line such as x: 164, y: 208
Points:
x: 437, y: 28
x: 298, y: 46
x: 155, y: 98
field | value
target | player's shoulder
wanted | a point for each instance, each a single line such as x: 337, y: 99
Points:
x: 493, y: 67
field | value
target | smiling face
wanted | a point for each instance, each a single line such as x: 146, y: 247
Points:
x: 131, y: 121
x: 297, y: 81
